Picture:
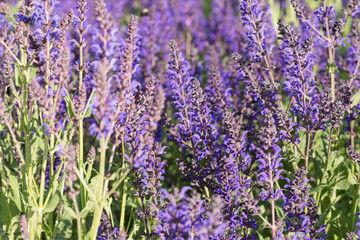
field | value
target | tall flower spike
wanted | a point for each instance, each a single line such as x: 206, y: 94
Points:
x: 80, y: 27
x: 226, y: 35
x: 156, y: 108
x: 104, y: 105
x: 2, y: 110
x: 299, y: 9
x: 102, y: 16
x: 269, y: 169
x: 81, y: 101
x: 260, y: 36
x: 91, y: 155
x: 8, y: 70
x: 61, y: 61
x: 315, y: 231
x: 155, y: 35
x: 185, y: 217
x: 295, y: 203
x: 354, y: 51
x: 195, y: 124
x: 106, y: 231
x: 215, y: 91
x: 129, y: 54
x: 24, y: 228
x: 297, y: 59
x: 40, y: 96
x: 70, y: 167
x: 66, y: 21
x: 105, y: 34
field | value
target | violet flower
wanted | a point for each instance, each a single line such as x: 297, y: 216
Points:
x: 186, y: 217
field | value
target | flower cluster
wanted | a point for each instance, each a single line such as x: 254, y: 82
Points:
x: 193, y: 119
x: 189, y: 217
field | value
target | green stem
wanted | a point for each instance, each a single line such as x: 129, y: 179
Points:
x: 11, y: 237
x: 326, y: 166
x: 51, y: 174
x: 123, y: 205
x: 123, y: 199
x: 78, y: 217
x: 15, y: 141
x: 356, y: 200
x: 352, y: 142
x: 81, y: 134
x: 117, y: 183
x: 83, y: 181
x: 9, y: 50
x: 83, y: 193
x: 88, y: 172
x: 99, y: 205
x: 355, y: 205
x: 43, y: 166
x: 81, y: 156
x: 52, y: 188
x: 273, y: 213
x: 29, y: 177
x: 307, y: 153
x: 332, y: 76
x: 130, y: 218
x: 145, y: 219
x: 96, y: 222
x: 42, y: 190
x: 331, y: 51
x: 290, y: 102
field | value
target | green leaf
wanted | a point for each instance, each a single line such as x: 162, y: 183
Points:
x: 279, y: 210
x: 32, y: 206
x: 319, y: 188
x: 87, y: 113
x: 107, y: 208
x: 47, y: 229
x: 14, y: 185
x: 335, y: 159
x: 70, y: 211
x: 116, y: 174
x: 324, y: 215
x: 318, y: 141
x: 54, y: 181
x: 302, y: 138
x: 52, y: 204
x: 32, y: 74
x: 70, y: 106
x: 56, y: 189
x: 136, y: 231
x: 355, y: 99
x: 94, y: 184
x: 69, y: 125
x: 350, y: 178
x: 8, y: 211
x: 331, y: 67
x: 63, y: 230
x: 342, y: 185
x: 88, y: 207
x: 37, y: 147
x: 344, y: 74
x: 2, y: 234
x: 339, y: 178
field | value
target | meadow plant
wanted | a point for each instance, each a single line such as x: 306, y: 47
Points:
x: 193, y: 119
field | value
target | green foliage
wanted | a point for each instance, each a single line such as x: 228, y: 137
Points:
x: 57, y: 200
